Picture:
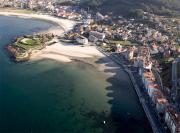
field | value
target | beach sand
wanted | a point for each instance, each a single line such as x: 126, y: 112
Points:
x: 66, y: 53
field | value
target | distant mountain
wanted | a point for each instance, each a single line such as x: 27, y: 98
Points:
x: 163, y: 7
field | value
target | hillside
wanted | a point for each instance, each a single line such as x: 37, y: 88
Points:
x: 163, y: 7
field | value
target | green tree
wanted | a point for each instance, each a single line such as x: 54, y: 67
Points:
x: 139, y: 13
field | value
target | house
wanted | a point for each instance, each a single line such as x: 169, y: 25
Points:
x: 82, y: 40
x: 147, y: 77
x: 138, y: 63
x: 147, y: 65
x: 119, y: 48
x: 124, y: 37
x: 98, y: 35
x: 87, y: 21
x: 151, y: 88
x: 92, y: 38
x: 33, y: 4
x: 99, y: 16
x: 129, y: 53
x: 172, y: 119
x: 156, y: 94
x: 161, y: 104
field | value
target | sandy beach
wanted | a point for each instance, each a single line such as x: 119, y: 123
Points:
x: 59, y: 51
x: 67, y: 52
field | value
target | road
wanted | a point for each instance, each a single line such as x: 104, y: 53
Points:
x: 146, y: 103
x: 174, y: 75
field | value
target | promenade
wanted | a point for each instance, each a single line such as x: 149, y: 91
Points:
x: 148, y: 107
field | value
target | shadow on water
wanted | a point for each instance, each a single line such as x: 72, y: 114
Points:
x: 127, y: 115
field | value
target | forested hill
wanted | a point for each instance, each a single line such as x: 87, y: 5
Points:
x: 163, y: 7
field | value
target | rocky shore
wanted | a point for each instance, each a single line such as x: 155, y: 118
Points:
x: 23, y: 47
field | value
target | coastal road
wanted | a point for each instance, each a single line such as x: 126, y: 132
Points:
x: 174, y: 74
x: 136, y: 81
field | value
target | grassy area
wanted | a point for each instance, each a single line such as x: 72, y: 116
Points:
x: 25, y: 46
x: 32, y: 42
x: 28, y: 44
x: 22, y: 48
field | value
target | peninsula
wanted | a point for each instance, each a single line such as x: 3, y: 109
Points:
x: 24, y: 46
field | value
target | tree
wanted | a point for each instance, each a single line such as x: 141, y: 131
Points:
x: 139, y: 13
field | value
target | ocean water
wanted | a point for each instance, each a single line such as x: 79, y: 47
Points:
x: 48, y: 96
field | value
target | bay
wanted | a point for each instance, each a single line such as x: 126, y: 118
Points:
x: 50, y: 96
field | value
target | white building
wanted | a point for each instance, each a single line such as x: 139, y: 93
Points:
x: 82, y: 40
x: 148, y: 65
x: 99, y: 16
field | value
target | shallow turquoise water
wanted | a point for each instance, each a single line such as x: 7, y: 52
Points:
x: 49, y: 96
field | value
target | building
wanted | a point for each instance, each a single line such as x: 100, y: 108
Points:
x: 172, y: 119
x: 92, y: 38
x: 98, y: 35
x: 99, y: 16
x: 161, y: 104
x: 129, y: 54
x: 151, y: 88
x: 119, y: 48
x: 147, y: 65
x: 33, y: 4
x: 82, y: 40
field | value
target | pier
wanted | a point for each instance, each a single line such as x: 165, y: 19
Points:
x: 145, y: 102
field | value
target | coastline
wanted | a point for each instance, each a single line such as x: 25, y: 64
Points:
x: 155, y: 125
x: 59, y: 51
x: 64, y: 23
x: 67, y: 53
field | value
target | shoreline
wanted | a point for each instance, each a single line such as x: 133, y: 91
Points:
x: 63, y: 25
x: 65, y: 57
x: 155, y: 125
x: 60, y: 51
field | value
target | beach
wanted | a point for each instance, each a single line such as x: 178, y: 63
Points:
x: 60, y: 51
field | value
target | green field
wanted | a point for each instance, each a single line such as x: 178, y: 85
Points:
x: 29, y: 44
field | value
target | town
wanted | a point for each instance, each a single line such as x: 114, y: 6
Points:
x: 147, y: 45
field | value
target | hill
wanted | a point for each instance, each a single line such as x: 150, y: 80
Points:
x: 162, y: 7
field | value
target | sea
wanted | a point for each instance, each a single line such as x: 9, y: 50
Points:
x: 48, y: 96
